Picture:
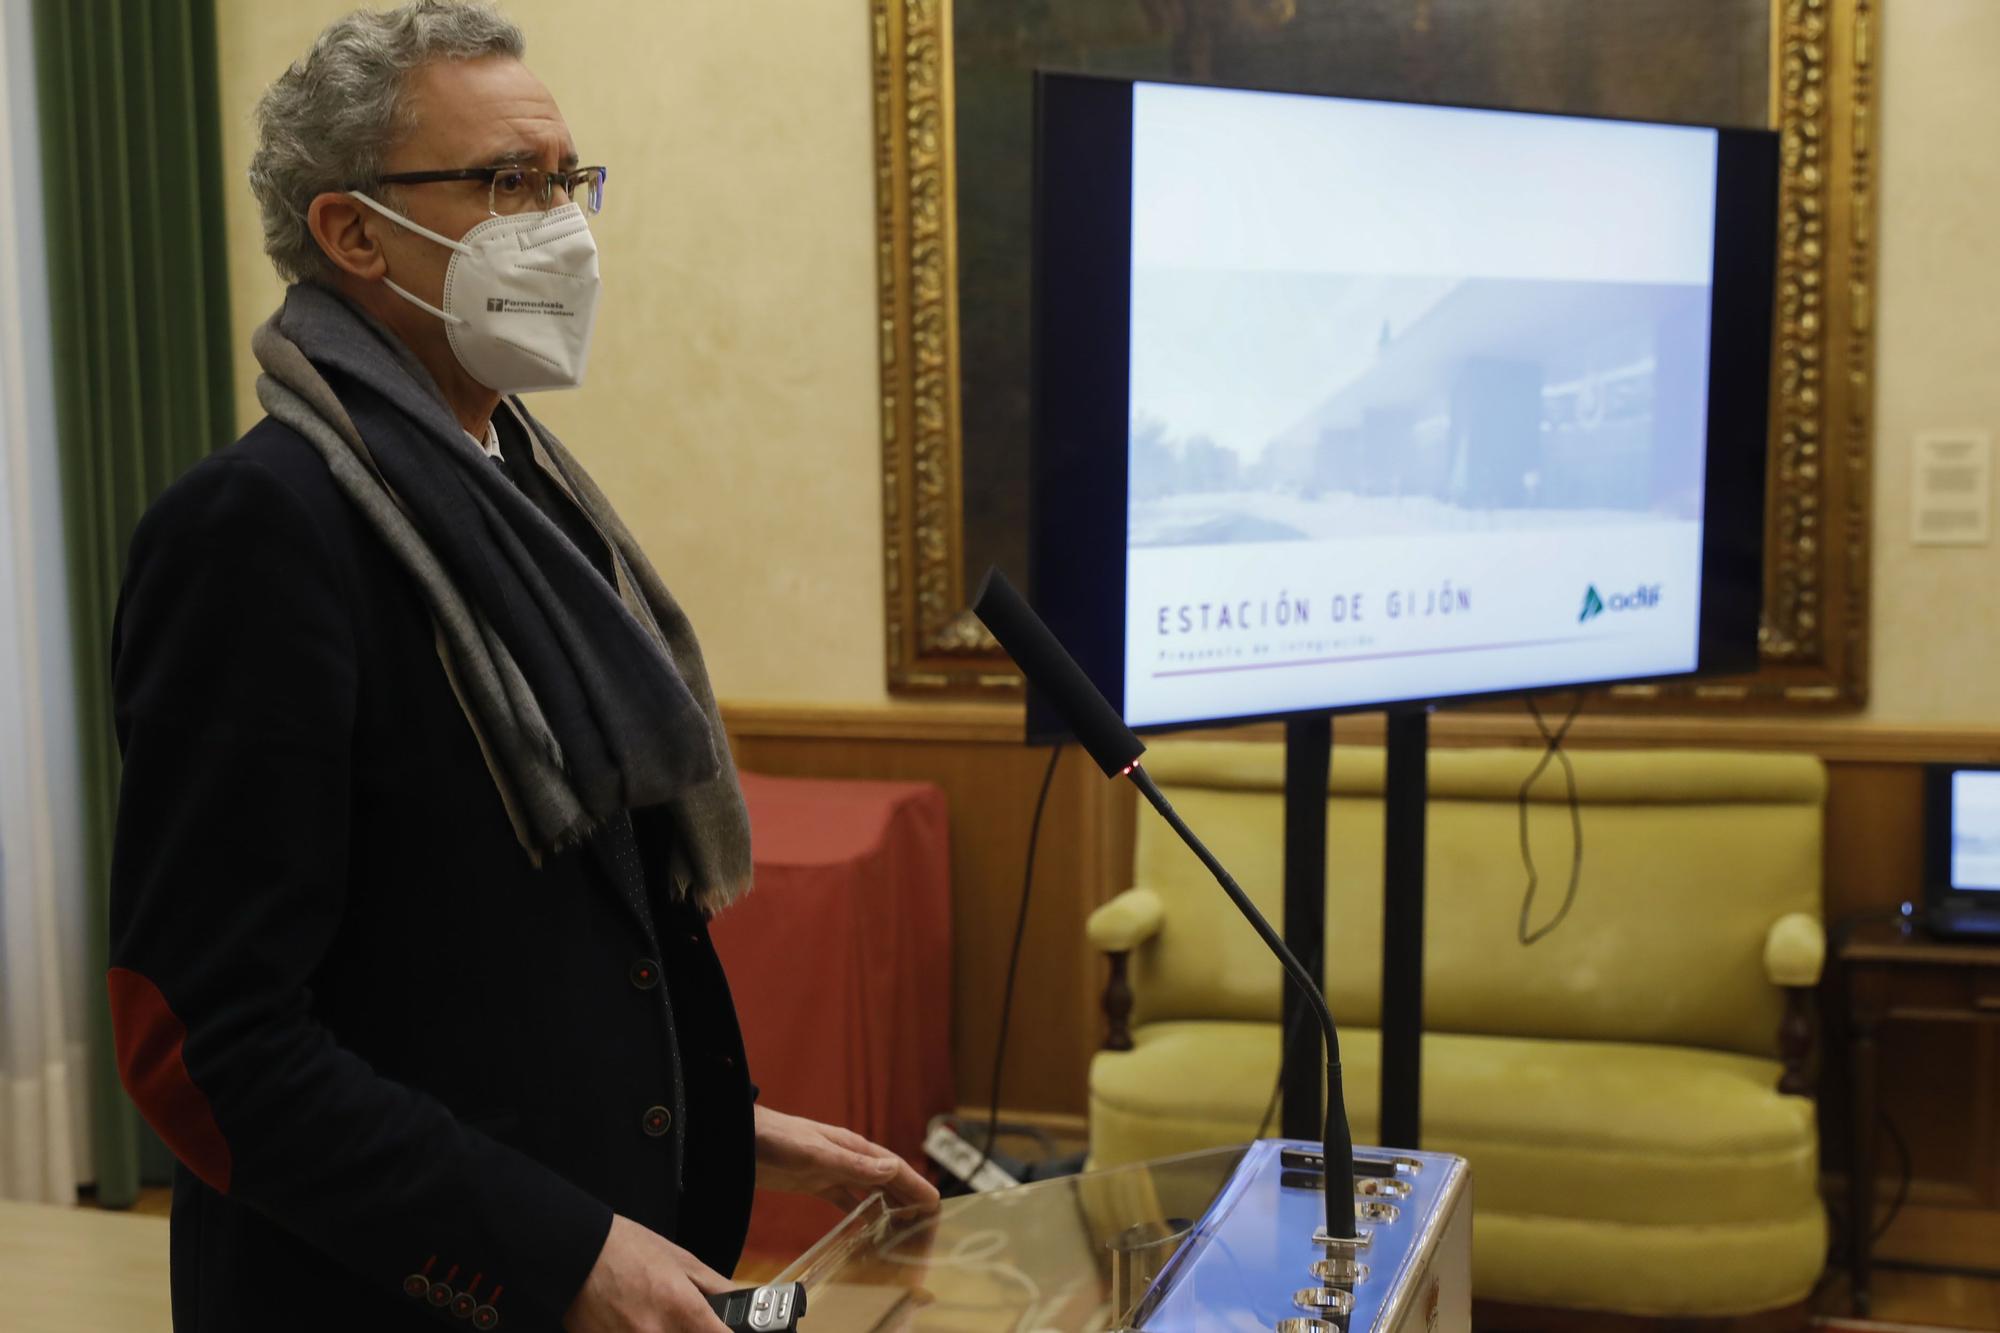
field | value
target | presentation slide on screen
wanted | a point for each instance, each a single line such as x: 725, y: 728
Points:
x: 1975, y: 831
x: 1418, y: 401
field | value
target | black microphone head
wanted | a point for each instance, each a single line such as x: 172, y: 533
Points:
x: 1050, y: 669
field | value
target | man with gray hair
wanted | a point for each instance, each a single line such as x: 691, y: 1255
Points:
x: 426, y: 802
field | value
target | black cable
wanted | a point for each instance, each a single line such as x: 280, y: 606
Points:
x: 1014, y: 962
x: 1552, y: 749
x: 1902, y: 1185
x: 1837, y: 1244
x: 1837, y: 935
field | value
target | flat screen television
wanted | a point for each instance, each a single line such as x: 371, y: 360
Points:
x: 1962, y: 837
x: 1344, y: 404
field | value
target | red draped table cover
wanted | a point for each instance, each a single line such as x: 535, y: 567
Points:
x: 840, y: 962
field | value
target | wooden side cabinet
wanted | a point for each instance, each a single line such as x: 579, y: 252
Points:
x: 1892, y: 972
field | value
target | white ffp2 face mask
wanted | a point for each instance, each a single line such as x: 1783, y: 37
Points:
x: 520, y: 297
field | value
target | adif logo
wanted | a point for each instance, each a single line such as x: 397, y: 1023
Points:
x: 1642, y: 598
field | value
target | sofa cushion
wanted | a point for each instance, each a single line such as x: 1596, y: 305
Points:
x: 1590, y: 1131
x: 1715, y: 1270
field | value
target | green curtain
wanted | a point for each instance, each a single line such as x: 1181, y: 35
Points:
x: 132, y: 183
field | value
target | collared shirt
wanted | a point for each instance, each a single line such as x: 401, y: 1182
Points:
x: 491, y: 444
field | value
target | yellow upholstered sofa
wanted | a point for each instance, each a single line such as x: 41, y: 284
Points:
x: 1615, y: 1086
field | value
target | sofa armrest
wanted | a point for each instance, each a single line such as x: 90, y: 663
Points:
x: 1117, y: 928
x: 1794, y: 953
x: 1126, y: 922
x: 1795, y: 950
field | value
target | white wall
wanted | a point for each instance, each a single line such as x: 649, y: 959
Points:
x: 732, y: 409
x: 1936, y: 609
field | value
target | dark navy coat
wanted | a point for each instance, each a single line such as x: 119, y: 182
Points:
x: 409, y: 1076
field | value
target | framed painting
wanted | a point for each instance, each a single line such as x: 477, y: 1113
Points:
x: 953, y: 99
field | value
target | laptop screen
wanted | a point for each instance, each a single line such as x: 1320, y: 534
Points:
x: 1975, y: 831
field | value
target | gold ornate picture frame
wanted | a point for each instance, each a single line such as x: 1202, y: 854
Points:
x: 1814, y: 634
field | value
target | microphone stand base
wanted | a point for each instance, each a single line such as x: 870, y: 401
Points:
x: 1260, y: 1258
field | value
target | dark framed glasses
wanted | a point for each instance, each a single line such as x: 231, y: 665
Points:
x: 518, y: 189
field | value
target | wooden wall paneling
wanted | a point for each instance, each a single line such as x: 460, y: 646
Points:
x: 1874, y: 836
x: 1836, y: 740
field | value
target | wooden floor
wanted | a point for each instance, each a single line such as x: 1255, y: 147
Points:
x: 155, y: 1202
x: 1914, y: 1300
x: 1903, y: 1300
x: 81, y: 1270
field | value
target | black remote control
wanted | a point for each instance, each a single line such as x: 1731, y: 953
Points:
x: 774, y: 1309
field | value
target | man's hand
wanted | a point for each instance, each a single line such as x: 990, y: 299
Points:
x: 644, y: 1283
x: 806, y: 1157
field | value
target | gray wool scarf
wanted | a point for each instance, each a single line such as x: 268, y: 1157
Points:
x: 586, y: 699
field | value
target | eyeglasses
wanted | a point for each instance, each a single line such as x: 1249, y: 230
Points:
x: 518, y: 189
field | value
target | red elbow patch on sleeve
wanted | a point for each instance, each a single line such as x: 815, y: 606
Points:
x: 149, y: 1038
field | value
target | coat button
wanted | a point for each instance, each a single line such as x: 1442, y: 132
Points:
x: 657, y: 1120
x: 645, y: 974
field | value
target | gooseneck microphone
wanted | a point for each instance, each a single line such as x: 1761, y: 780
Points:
x: 1050, y: 669
x: 1103, y: 733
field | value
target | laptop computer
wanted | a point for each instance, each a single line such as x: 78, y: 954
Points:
x: 1962, y: 850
